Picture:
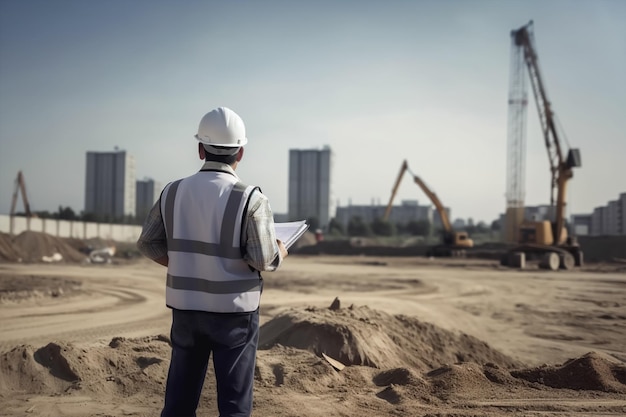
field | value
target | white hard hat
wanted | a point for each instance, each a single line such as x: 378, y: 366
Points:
x: 222, y: 127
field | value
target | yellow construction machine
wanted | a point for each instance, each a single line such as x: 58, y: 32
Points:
x: 547, y: 240
x: 454, y: 243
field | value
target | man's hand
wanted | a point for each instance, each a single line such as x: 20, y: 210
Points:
x: 282, y: 249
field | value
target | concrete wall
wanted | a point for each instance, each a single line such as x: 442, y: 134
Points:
x: 76, y: 229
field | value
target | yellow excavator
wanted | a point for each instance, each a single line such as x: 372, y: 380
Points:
x: 454, y: 243
x: 548, y: 241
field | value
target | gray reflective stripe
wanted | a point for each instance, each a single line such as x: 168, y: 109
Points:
x: 169, y: 209
x: 230, y: 216
x: 213, y: 287
x: 226, y: 248
x: 204, y: 248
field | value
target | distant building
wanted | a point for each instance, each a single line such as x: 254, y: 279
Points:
x: 110, y: 185
x: 613, y: 218
x: 367, y: 213
x: 580, y: 224
x: 281, y: 217
x: 410, y: 210
x: 597, y: 221
x: 608, y: 220
x: 407, y: 211
x: 539, y: 213
x: 147, y: 192
x: 621, y: 210
x: 459, y: 224
x: 437, y: 222
x: 310, y: 185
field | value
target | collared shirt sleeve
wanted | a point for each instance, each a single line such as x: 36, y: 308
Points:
x: 262, y: 251
x: 152, y: 242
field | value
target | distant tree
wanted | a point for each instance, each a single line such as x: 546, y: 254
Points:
x: 357, y: 227
x: 90, y: 217
x: 495, y: 225
x: 482, y: 227
x: 44, y: 214
x: 382, y: 227
x: 65, y: 213
x: 419, y: 228
x: 313, y: 223
x: 335, y: 228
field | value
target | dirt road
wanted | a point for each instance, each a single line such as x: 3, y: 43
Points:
x: 533, y: 316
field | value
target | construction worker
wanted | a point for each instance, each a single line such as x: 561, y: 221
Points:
x: 215, y: 235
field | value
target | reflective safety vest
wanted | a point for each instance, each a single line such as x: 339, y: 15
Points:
x: 203, y: 216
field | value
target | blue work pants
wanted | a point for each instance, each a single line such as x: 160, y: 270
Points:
x: 233, y: 340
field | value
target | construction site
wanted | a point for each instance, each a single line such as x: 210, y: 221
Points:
x: 533, y: 324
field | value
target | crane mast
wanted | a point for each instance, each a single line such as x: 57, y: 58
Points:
x: 560, y: 168
x: 516, y: 144
x: 524, y: 39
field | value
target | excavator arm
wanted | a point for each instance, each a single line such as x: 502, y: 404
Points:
x: 20, y: 185
x: 560, y: 168
x: 403, y: 168
x: 435, y: 200
x: 431, y: 195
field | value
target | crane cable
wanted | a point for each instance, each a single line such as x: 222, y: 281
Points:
x: 558, y: 122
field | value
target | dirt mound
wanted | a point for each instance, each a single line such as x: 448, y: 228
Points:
x: 124, y: 368
x: 295, y: 369
x: 135, y: 371
x: 8, y: 251
x: 590, y: 372
x: 38, y: 247
x: 361, y: 336
x: 463, y: 379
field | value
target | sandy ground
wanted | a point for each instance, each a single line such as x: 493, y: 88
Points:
x: 413, y: 337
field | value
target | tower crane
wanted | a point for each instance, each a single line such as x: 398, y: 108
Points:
x: 548, y: 239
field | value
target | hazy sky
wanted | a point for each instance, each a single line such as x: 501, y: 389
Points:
x: 376, y: 81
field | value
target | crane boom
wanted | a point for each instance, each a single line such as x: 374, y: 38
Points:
x: 445, y: 221
x: 560, y: 168
x: 20, y: 185
x: 403, y: 168
x: 454, y: 243
x: 431, y: 195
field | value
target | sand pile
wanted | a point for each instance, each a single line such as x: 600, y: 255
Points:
x: 8, y: 251
x: 361, y: 336
x: 407, y: 364
x: 38, y: 247
x: 128, y: 366
x: 123, y: 368
x: 589, y: 372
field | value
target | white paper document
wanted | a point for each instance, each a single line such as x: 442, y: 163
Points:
x: 290, y: 232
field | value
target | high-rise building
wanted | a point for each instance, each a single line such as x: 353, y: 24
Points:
x: 110, y: 185
x: 309, y: 185
x: 147, y: 192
